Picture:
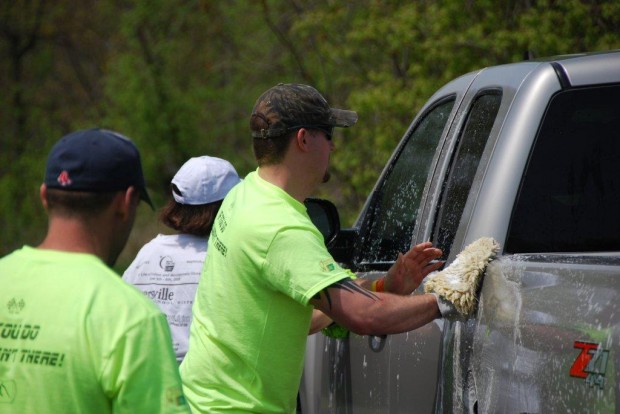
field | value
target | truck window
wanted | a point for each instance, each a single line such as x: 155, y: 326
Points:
x: 395, y: 207
x: 569, y: 200
x: 461, y: 174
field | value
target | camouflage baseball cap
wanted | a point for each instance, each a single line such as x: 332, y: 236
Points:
x: 286, y: 107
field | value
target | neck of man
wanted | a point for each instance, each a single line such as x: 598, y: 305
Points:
x: 288, y: 178
x: 74, y: 236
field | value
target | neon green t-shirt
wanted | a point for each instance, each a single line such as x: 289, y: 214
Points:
x: 75, y: 338
x: 251, y: 315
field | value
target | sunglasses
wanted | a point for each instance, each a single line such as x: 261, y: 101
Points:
x: 327, y: 129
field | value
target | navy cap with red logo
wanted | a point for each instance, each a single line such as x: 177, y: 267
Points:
x: 95, y: 160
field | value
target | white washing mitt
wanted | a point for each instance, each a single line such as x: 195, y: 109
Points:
x: 459, y: 282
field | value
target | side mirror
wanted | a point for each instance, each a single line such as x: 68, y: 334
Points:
x: 324, y: 215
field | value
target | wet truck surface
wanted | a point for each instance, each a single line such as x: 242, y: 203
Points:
x: 529, y: 154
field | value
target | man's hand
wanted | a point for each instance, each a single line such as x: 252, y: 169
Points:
x: 411, y: 268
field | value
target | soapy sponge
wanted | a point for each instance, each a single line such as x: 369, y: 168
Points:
x: 458, y: 283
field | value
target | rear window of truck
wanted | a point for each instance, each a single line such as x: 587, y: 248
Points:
x: 569, y: 199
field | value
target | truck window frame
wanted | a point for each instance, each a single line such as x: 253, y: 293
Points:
x: 469, y: 148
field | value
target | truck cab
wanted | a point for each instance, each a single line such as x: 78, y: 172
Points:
x: 527, y: 153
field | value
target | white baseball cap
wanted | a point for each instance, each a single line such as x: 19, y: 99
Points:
x: 203, y: 180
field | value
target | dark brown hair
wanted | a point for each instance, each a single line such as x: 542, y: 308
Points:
x: 77, y: 203
x: 190, y: 219
x: 269, y: 151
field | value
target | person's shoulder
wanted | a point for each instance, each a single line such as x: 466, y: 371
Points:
x: 19, y: 253
x: 120, y: 304
x: 154, y: 243
x: 10, y: 257
x: 110, y: 291
x: 69, y: 262
x: 150, y: 251
x: 126, y: 295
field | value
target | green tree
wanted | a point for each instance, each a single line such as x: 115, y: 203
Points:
x: 180, y: 78
x: 46, y: 79
x: 388, y: 57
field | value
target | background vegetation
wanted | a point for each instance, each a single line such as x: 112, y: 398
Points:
x: 180, y: 78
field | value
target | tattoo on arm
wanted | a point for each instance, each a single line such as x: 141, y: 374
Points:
x: 349, y: 285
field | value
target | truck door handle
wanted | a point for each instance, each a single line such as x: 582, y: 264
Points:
x: 376, y: 342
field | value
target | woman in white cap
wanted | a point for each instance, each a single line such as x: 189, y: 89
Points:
x: 167, y: 268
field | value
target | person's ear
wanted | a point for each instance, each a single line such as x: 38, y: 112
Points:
x: 302, y: 133
x: 126, y: 200
x: 43, y: 195
x: 132, y: 196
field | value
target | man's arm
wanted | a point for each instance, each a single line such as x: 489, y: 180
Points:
x: 402, y: 278
x: 374, y: 313
x: 319, y: 321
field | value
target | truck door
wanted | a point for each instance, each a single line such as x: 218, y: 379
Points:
x: 384, y: 369
x: 398, y: 373
x: 363, y: 374
x: 467, y: 153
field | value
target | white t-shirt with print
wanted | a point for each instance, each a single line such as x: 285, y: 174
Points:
x: 167, y: 270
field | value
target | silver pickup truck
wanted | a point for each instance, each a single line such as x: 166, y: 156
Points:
x: 526, y: 153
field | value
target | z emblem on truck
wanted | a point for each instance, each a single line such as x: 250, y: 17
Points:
x: 591, y: 363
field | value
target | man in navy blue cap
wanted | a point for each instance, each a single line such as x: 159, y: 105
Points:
x: 81, y: 339
x: 95, y: 160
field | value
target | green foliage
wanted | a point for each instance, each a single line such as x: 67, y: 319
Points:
x: 180, y: 78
